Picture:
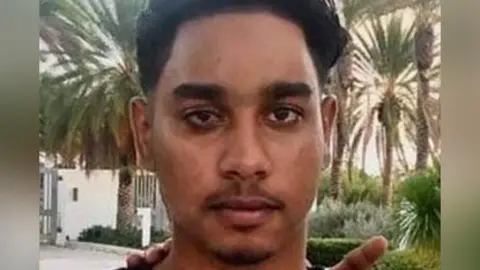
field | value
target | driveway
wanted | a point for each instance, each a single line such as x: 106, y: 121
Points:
x: 55, y: 258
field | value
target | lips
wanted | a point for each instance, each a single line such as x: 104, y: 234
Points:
x: 250, y: 203
x: 244, y: 212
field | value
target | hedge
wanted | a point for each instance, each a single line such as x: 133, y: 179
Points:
x: 328, y: 252
x: 400, y: 260
x: 126, y: 238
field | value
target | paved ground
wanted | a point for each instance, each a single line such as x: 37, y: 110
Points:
x: 54, y: 258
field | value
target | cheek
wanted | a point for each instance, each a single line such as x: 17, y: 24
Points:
x: 298, y: 171
x: 185, y: 172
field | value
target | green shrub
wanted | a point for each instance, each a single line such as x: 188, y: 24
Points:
x: 368, y: 224
x: 328, y: 252
x: 126, y: 238
x: 417, y: 211
x: 328, y: 220
x: 362, y: 220
x: 362, y: 187
x: 407, y: 260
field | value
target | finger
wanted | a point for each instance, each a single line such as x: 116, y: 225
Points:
x: 365, y: 256
x: 154, y: 254
x: 134, y: 260
x: 157, y: 253
x: 307, y: 263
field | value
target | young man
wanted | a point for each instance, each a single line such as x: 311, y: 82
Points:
x: 235, y: 127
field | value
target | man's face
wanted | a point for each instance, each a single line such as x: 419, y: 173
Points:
x: 234, y: 132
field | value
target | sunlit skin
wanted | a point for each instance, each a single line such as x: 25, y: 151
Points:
x: 236, y: 114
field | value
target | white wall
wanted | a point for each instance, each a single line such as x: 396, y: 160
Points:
x: 97, y: 200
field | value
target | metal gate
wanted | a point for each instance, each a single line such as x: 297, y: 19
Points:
x: 147, y: 194
x: 48, y: 205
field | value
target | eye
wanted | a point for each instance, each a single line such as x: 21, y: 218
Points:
x: 203, y: 119
x: 284, y: 116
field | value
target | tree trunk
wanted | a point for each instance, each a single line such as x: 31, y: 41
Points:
x: 353, y: 150
x: 343, y: 81
x: 422, y: 134
x: 424, y: 39
x: 125, y: 198
x: 337, y: 162
x: 387, y: 170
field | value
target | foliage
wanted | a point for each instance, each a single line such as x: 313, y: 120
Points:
x: 90, y: 48
x: 126, y: 238
x: 361, y: 187
x: 334, y: 219
x: 406, y: 260
x: 385, y: 78
x: 353, y: 12
x: 417, y: 212
x: 328, y: 252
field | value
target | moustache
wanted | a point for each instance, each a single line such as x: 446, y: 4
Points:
x: 234, y: 197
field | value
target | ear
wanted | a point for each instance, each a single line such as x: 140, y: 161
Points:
x: 329, y: 109
x: 142, y: 132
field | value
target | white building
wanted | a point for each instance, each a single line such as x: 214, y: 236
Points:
x: 73, y: 202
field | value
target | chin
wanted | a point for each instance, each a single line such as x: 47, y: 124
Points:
x: 243, y: 256
x: 244, y: 247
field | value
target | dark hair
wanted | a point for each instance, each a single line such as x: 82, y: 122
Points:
x: 158, y: 24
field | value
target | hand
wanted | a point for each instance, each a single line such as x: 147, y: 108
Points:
x: 151, y: 256
x: 361, y: 258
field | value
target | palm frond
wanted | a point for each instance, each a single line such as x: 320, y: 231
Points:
x: 93, y: 44
x: 384, y: 63
x: 389, y: 44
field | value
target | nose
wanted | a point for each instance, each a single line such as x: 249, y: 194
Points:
x: 245, y: 156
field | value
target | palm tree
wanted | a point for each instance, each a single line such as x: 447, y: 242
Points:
x: 54, y: 115
x: 93, y: 45
x: 426, y: 16
x: 342, y: 83
x: 385, y: 73
x: 353, y: 12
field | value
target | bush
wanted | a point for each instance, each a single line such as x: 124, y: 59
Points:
x: 126, y: 238
x: 328, y: 252
x: 362, y: 220
x: 407, y: 260
x: 328, y: 220
x: 362, y: 187
x: 368, y: 224
x: 417, y: 211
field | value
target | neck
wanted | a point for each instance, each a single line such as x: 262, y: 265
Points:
x: 185, y: 255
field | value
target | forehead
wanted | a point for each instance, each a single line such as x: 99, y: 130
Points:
x: 239, y: 51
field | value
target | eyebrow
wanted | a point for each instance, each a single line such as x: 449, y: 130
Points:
x: 202, y: 91
x: 215, y: 93
x: 283, y: 90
